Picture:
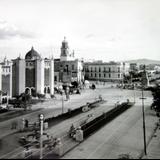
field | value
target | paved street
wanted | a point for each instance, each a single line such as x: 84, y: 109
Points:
x: 50, y: 109
x: 124, y: 135
x: 123, y: 125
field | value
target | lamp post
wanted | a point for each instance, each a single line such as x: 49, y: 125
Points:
x: 134, y: 94
x: 132, y: 84
x: 62, y: 103
x: 144, y: 83
x: 144, y: 126
x: 41, y: 134
x: 0, y: 97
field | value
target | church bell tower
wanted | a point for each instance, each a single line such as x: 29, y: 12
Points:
x: 64, y: 50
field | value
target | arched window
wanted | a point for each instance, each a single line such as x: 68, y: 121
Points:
x: 27, y: 91
x: 48, y: 90
x: 45, y: 90
x: 33, y: 92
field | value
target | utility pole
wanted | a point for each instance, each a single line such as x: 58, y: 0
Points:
x: 134, y: 93
x: 144, y: 126
x: 41, y: 134
x: 134, y: 96
x: 7, y: 99
x: 144, y: 83
x: 62, y: 104
x: 132, y: 84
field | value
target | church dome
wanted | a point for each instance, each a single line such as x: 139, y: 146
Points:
x: 32, y: 54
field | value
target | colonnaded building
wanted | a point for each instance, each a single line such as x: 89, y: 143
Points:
x: 5, y: 80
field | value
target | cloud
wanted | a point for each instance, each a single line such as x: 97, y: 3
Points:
x: 8, y: 31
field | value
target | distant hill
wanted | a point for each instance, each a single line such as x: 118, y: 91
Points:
x: 144, y: 61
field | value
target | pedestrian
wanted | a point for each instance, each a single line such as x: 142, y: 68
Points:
x: 72, y: 131
x: 14, y: 124
x: 67, y: 93
x: 26, y: 123
x: 22, y: 124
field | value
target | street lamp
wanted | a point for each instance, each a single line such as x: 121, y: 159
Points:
x: 144, y: 126
x: 41, y: 134
x: 0, y: 97
x: 134, y: 93
x: 62, y: 103
x: 143, y: 84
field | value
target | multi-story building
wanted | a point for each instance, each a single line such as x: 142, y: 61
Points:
x: 134, y: 67
x: 68, y: 68
x: 33, y: 74
x: 101, y: 71
x: 6, y: 79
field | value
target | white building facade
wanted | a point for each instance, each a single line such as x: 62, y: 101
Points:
x: 101, y: 71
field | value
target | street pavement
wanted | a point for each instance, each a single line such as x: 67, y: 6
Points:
x: 124, y: 135
x: 53, y: 108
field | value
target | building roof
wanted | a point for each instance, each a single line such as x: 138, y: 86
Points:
x: 102, y: 63
x: 32, y: 54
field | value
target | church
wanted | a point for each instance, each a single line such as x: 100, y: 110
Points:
x: 68, y: 68
x: 36, y: 75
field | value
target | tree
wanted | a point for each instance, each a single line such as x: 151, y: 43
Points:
x: 156, y: 98
x: 26, y: 100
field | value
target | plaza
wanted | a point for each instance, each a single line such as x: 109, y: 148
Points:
x: 124, y: 131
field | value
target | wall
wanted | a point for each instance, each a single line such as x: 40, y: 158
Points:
x: 39, y: 69
x: 18, y: 77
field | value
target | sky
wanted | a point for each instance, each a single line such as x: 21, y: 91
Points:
x: 108, y: 30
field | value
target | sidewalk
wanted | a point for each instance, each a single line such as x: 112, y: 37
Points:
x: 123, y: 136
x: 153, y: 149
